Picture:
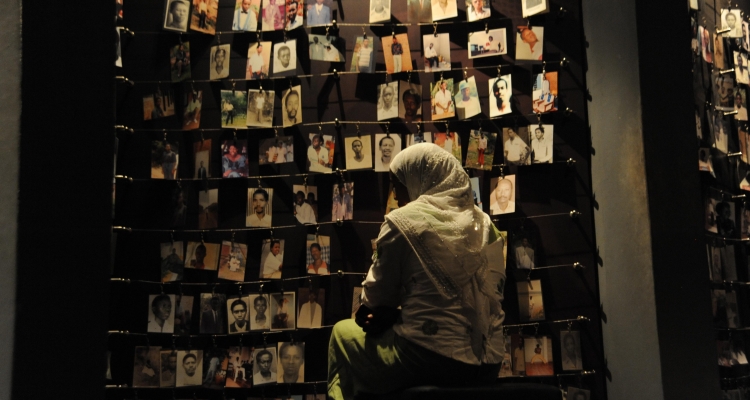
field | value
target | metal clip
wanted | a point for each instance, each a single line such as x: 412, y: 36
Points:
x: 434, y: 25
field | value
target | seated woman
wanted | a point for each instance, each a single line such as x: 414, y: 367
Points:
x: 440, y: 258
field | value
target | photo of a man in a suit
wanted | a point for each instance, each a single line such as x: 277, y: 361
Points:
x: 211, y: 318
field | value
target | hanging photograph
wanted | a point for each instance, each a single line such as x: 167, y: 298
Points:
x: 450, y: 142
x: 516, y: 150
x: 746, y: 35
x: 183, y: 317
x: 208, y: 209
x: 159, y: 104
x: 172, y: 264
x: 191, y: 117
x: 343, y: 201
x: 271, y: 258
x: 363, y: 55
x: 323, y: 48
x: 201, y: 255
x: 320, y: 152
x: 487, y: 43
x: 259, y: 320
x: 530, y: 301
x: 239, y: 368
x: 219, y: 62
x: 481, y: 151
x: 723, y: 90
x: 232, y: 261
x: 264, y: 367
x: 179, y: 62
x: 285, y: 56
x: 190, y: 368
x: 581, y: 394
x: 215, y: 359
x: 538, y: 354
x: 387, y: 101
x: 291, y: 106
x: 202, y: 159
x: 305, y: 205
x: 176, y: 14
x: 238, y: 315
x: 444, y: 9
x: 529, y: 43
x: 410, y: 106
x: 506, y: 366
x: 714, y: 263
x: 419, y: 11
x: 467, y: 99
x: 519, y: 355
x: 291, y: 367
x: 274, y: 17
x: 204, y: 16
x: 318, y: 254
x: 283, y: 311
x: 260, y: 108
x: 437, y: 52
x: 387, y: 147
x: 418, y: 137
x: 740, y: 67
x: 544, y: 93
x: 720, y: 128
x: 541, y: 143
x: 706, y: 48
x: 380, y: 11
x: 164, y: 159
x: 168, y: 368
x: 258, y: 60
x: 740, y: 101
x: 146, y: 367
x: 396, y: 53
x: 533, y: 7
x: 277, y: 150
x: 358, y: 151
x: 719, y: 52
x: 161, y: 313
x: 118, y: 60
x: 477, y: 9
x: 501, y: 91
x: 705, y: 164
x: 319, y: 12
x: 731, y: 20
x: 442, y: 99
x: 570, y: 354
x: 259, y: 207
x: 311, y: 306
x: 294, y: 14
x: 233, y: 103
x: 245, y: 16
x: 212, y: 315
x: 745, y: 221
x: 503, y: 195
x: 234, y: 162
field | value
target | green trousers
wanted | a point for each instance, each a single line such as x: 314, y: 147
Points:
x: 359, y: 363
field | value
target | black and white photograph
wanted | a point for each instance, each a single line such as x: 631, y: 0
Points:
x: 258, y: 60
x: 410, y: 106
x: 183, y: 316
x: 570, y: 353
x: 387, y: 105
x: 418, y: 137
x: 323, y: 48
x: 311, y: 306
x: 201, y: 255
x: 386, y: 147
x: 714, y: 263
x: 273, y: 15
x: 259, y: 201
x: 538, y: 354
x: 419, y: 10
x: 444, y: 9
x: 731, y: 19
x: 285, y: 56
x: 168, y: 368
x: 523, y: 252
x: 441, y: 94
x: 189, y: 368
x: 477, y: 9
x: 467, y: 99
x: 172, y: 261
x: 291, y: 367
x: 577, y: 394
x: 740, y: 105
x: 146, y: 367
x: 720, y: 129
x: 363, y: 55
x: 533, y: 7
x: 283, y: 311
x: 503, y: 195
x: 437, y: 52
x: 208, y: 209
x: 492, y: 42
x: 720, y: 217
x: 238, y: 315
x: 219, y: 62
x: 319, y: 12
x: 530, y: 43
x: 165, y: 158
x: 740, y: 67
x: 711, y: 213
x: 305, y: 203
x: 245, y: 16
x: 259, y: 313
x: 264, y: 367
x: 212, y: 313
x: 516, y: 150
x: 380, y: 11
x: 320, y: 152
x: 541, y: 143
x: 358, y: 150
x: 291, y: 106
x: 276, y: 150
x: 318, y: 254
x: 176, y: 15
x: 343, y: 201
x: 723, y: 90
x: 260, y: 107
x: 215, y: 361
x: 746, y: 35
x: 501, y: 90
x: 158, y: 104
x: 719, y: 56
x: 272, y: 258
x: 239, y: 368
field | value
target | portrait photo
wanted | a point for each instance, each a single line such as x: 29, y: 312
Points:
x: 165, y: 159
x: 258, y: 60
x: 219, y: 62
x: 714, y: 263
x: 161, y: 314
x: 720, y: 128
x: 704, y: 36
x: 234, y: 162
x: 386, y: 147
x: 487, y: 43
x: 283, y: 311
x: 530, y: 302
x: 320, y: 152
x: 500, y: 90
x: 179, y: 62
x: 503, y: 195
x: 318, y: 254
x: 544, y: 93
x: 705, y: 164
x: 419, y: 11
x: 541, y: 143
x: 570, y: 350
x: 450, y: 142
x: 723, y: 92
x: 260, y: 107
x: 176, y: 14
x: 740, y: 104
x: 245, y: 17
x: 363, y: 55
x: 233, y: 103
x: 387, y: 101
x: 343, y: 201
x: 232, y: 261
x: 172, y: 261
x: 577, y: 394
x: 410, y: 106
x: 159, y: 104
x: 208, y: 209
x: 291, y: 367
x: 719, y: 56
x: 481, y: 151
x: 380, y: 11
x: 312, y: 303
x: 305, y: 204
x: 477, y: 9
x: 239, y: 368
x: 238, y: 315
x: 212, y: 314
x: 538, y: 353
x: 291, y: 106
x: 441, y: 95
x: 191, y: 117
x: 259, y: 202
x: 533, y: 7
x: 740, y: 67
x: 467, y: 99
x: 183, y: 318
x: 167, y: 368
x: 295, y: 10
x: 319, y: 12
x: 323, y: 48
x: 285, y: 56
x: 274, y: 15
x: 356, y: 295
x: 202, y: 159
x: 276, y: 150
x: 418, y: 137
x: 203, y: 17
x: 530, y: 43
x: 201, y: 255
x: 264, y: 367
x: 259, y: 320
x: 731, y: 19
x: 146, y: 366
x: 271, y: 258
x: 396, y: 53
x: 358, y: 150
x: 444, y: 9
x: 516, y: 150
x: 437, y: 52
x: 189, y: 368
x: 215, y: 360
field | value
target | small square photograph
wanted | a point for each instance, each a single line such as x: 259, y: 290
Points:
x: 258, y: 60
x: 723, y: 218
x: 533, y: 7
x: 745, y: 221
x: 238, y: 315
x: 146, y: 366
x: 387, y: 147
x: 274, y: 17
x: 396, y: 53
x: 437, y: 52
x: 419, y: 137
x: 577, y: 394
x: 419, y: 11
x: 467, y: 99
x: 203, y: 256
x: 477, y: 9
x: 740, y: 101
x: 165, y: 159
x: 358, y: 150
x: 387, y: 106
x: 481, y: 151
x: 264, y: 367
x: 343, y: 201
x: 503, y: 195
x: 311, y: 306
x: 410, y: 106
x: 232, y: 261
x: 320, y: 152
x: 168, y: 368
x: 215, y: 360
x: 172, y: 264
x: 541, y: 143
x: 192, y: 106
x: 487, y: 43
x: 291, y: 104
x: 234, y: 161
x: 323, y: 48
x: 380, y: 11
x: 208, y: 209
x: 259, y: 320
x: 731, y: 19
x: 476, y: 192
x: 570, y: 353
x: 530, y: 43
x: 545, y: 93
x: 291, y: 367
x: 506, y: 365
x: 444, y: 9
x: 441, y: 95
x: 260, y: 108
x: 363, y: 55
x: 176, y: 14
x: 706, y: 47
x: 245, y: 16
x: 118, y: 60
x: 277, y: 150
x: 295, y: 10
x: 305, y: 205
x: 538, y: 354
x: 356, y: 302
x: 219, y: 62
x: 450, y: 142
x: 719, y: 51
x: 183, y: 317
x: 239, y: 368
x: 158, y: 105
x: 233, y: 103
x: 519, y: 355
x: 723, y: 92
x: 179, y: 62
x: 285, y: 56
x: 516, y: 150
x: 259, y: 207
x: 711, y: 212
x: 212, y: 315
x: 202, y: 159
x: 318, y: 254
x: 740, y: 67
x: 204, y: 14
x: 190, y: 368
x: 319, y: 12
x: 530, y: 301
x: 272, y: 258
x: 283, y: 311
x: 500, y: 100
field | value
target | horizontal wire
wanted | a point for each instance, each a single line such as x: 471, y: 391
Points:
x: 574, y: 265
x: 579, y: 373
x: 579, y: 319
x: 726, y: 239
x: 297, y: 384
x: 569, y: 214
x: 221, y: 335
x: 262, y: 282
x: 233, y: 230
